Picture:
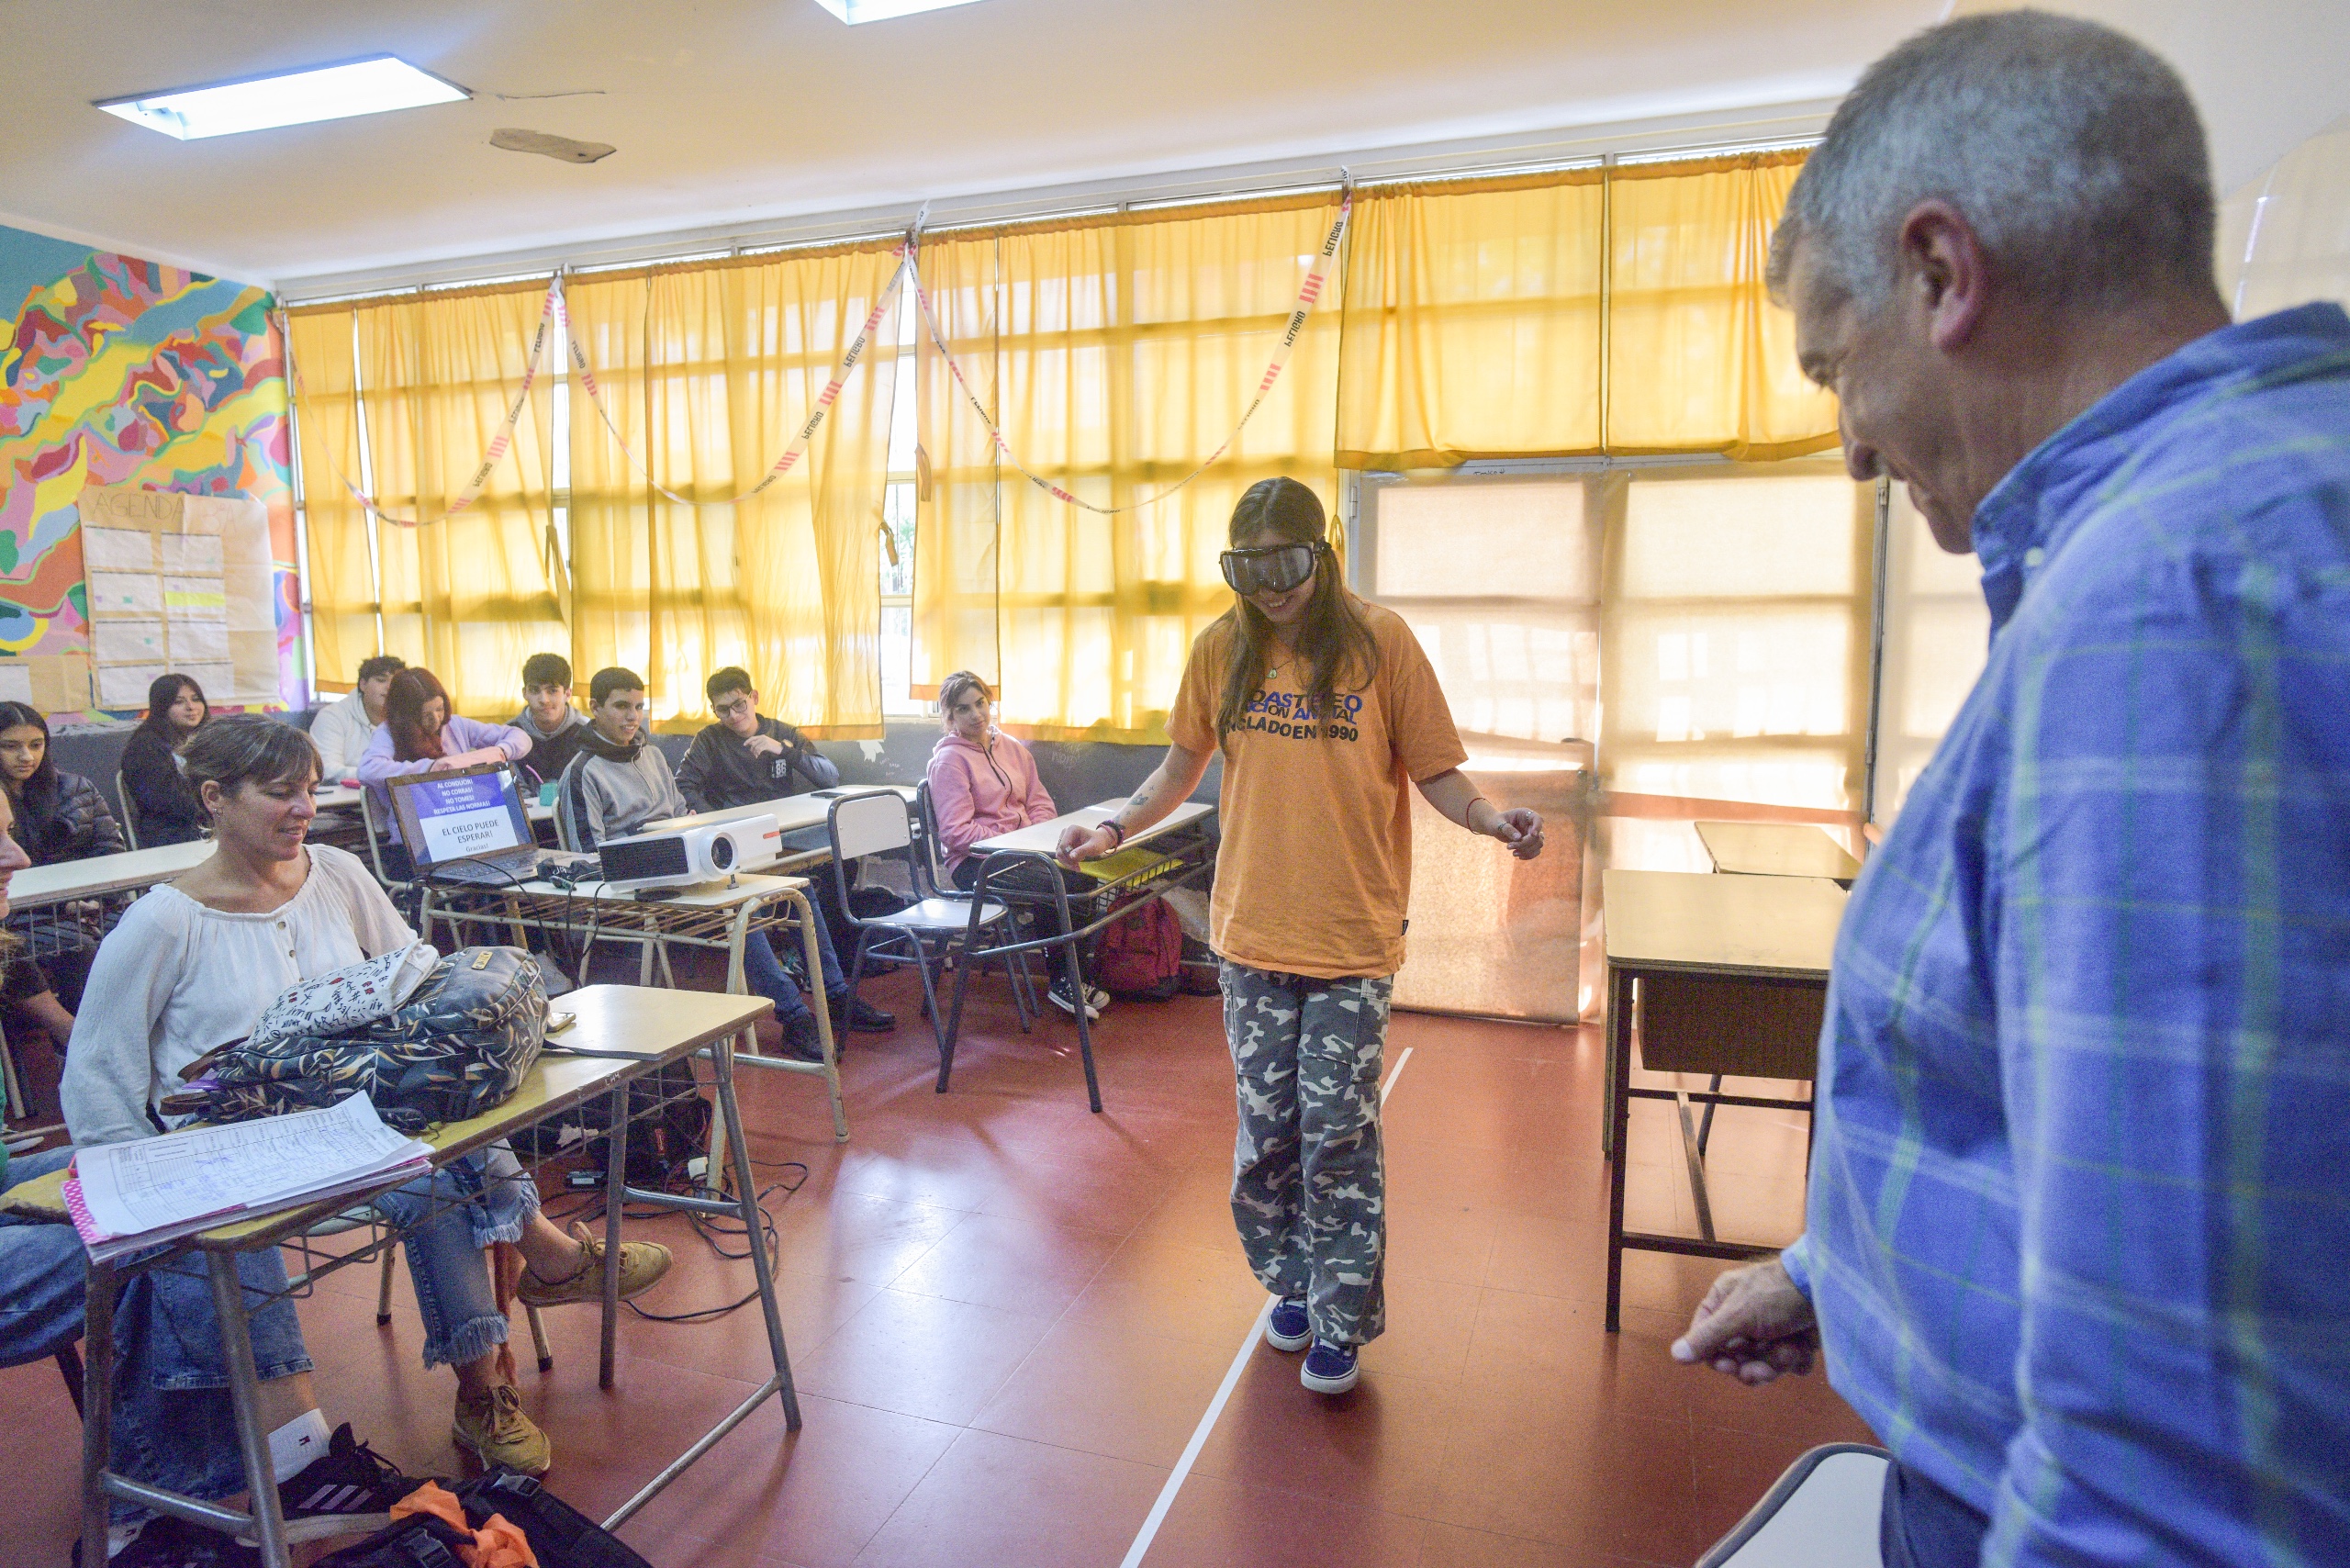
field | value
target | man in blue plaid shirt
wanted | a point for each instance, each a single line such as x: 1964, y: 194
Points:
x: 2079, y: 1243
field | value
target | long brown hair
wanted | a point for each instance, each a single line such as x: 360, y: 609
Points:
x: 404, y: 702
x: 1333, y: 640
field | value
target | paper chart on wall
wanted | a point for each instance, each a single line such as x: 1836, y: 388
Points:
x: 178, y: 582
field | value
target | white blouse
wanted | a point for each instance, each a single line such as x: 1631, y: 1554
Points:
x: 176, y: 978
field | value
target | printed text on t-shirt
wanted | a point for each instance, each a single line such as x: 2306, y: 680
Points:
x: 1290, y: 713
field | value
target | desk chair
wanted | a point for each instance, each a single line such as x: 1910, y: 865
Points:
x: 1822, y: 1514
x: 404, y: 893
x: 130, y: 811
x: 882, y: 824
x: 366, y: 1219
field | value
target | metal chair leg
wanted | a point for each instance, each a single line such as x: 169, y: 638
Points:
x: 69, y: 1366
x: 539, y: 1339
x: 384, y: 1286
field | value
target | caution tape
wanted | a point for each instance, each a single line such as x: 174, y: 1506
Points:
x: 798, y: 446
x: 500, y: 444
x: 1316, y: 279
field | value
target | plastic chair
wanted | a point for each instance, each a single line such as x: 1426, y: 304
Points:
x: 1822, y: 1514
x: 881, y: 823
x: 129, y: 809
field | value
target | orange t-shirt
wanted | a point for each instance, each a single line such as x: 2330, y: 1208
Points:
x: 1316, y: 860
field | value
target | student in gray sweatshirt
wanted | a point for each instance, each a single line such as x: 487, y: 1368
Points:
x: 553, y: 726
x: 617, y: 783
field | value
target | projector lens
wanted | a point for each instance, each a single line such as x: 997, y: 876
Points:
x: 721, y: 853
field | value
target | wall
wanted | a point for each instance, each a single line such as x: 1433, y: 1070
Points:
x: 117, y: 371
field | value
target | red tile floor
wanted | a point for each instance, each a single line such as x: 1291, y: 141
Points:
x: 1007, y: 1316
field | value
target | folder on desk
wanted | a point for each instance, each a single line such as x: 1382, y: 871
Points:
x: 1137, y: 865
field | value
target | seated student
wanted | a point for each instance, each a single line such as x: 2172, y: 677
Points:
x: 344, y: 728
x: 745, y: 758
x: 166, y: 807
x: 983, y: 782
x: 548, y: 717
x: 59, y: 816
x: 619, y: 782
x: 421, y: 735
x: 172, y: 1424
x: 193, y: 963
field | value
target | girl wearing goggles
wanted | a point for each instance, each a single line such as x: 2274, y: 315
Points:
x: 1325, y: 709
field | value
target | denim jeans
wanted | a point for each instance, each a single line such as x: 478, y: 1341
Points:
x: 765, y: 973
x: 174, y: 1425
x: 1921, y: 1525
x: 450, y: 1216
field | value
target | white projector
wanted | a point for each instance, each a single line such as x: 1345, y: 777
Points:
x: 688, y: 850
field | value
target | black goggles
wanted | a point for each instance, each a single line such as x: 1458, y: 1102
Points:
x: 1267, y: 568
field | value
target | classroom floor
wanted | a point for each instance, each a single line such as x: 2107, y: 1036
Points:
x: 1008, y: 1317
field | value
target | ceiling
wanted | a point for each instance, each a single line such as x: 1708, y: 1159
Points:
x: 733, y: 117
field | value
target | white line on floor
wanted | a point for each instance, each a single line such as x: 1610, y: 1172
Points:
x: 1149, y: 1531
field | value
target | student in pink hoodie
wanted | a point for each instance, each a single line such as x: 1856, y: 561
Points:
x: 983, y: 782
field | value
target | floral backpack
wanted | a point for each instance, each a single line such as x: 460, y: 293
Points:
x: 451, y: 1045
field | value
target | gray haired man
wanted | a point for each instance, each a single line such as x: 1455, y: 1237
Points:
x: 2076, y: 1232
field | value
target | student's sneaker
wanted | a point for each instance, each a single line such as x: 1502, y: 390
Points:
x: 349, y: 1489
x: 1064, y: 996
x: 801, y: 1038
x: 1329, y: 1368
x: 165, y: 1543
x: 494, y: 1430
x: 1288, y: 1329
x: 641, y: 1265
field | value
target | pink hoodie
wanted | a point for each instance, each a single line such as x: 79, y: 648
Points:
x: 976, y: 794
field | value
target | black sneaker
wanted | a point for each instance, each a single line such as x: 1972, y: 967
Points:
x: 862, y: 1016
x: 1063, y: 995
x: 349, y: 1489
x: 800, y: 1037
x: 166, y: 1543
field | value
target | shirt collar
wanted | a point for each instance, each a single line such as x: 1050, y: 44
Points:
x: 2028, y: 514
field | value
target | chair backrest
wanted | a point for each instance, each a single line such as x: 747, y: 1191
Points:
x: 869, y: 824
x: 566, y: 793
x: 374, y: 836
x: 130, y: 811
x: 1822, y: 1514
x: 930, y: 862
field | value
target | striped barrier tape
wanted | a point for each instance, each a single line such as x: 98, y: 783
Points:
x: 1316, y: 279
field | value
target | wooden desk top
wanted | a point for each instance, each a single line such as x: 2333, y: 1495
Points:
x: 1680, y: 920
x: 1777, y: 849
x: 743, y: 886
x: 791, y: 812
x: 70, y: 880
x: 638, y: 1026
x: 1045, y: 837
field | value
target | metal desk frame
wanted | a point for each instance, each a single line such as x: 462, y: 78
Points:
x: 265, y: 1519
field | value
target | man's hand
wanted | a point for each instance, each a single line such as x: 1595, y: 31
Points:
x: 763, y: 745
x: 1086, y: 844
x: 1521, y: 830
x: 1753, y: 1326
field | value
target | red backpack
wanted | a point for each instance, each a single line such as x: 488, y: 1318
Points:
x: 1141, y: 957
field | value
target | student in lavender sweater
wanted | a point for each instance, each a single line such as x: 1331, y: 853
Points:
x: 421, y: 735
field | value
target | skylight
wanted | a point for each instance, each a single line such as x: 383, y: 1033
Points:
x: 856, y: 11
x: 296, y: 97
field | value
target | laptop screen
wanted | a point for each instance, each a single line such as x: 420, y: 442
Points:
x: 450, y: 816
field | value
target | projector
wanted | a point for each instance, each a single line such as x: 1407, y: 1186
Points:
x: 690, y: 851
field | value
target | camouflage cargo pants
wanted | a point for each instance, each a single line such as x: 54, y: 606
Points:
x: 1308, y: 1188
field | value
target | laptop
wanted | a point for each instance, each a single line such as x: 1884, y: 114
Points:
x: 467, y: 825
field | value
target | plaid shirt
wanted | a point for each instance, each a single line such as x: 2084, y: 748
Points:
x: 2079, y: 1216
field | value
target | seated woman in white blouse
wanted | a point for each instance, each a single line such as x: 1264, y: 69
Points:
x: 191, y: 966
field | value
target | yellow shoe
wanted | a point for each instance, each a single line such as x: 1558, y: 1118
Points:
x: 494, y: 1429
x: 641, y: 1265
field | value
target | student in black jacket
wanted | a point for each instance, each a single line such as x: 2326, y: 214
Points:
x: 59, y: 817
x: 747, y: 758
x: 168, y: 810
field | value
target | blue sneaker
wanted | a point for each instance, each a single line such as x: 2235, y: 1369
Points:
x: 1329, y: 1368
x: 1287, y: 1328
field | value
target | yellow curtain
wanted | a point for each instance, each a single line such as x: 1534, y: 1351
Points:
x: 468, y: 596
x: 1115, y: 356
x: 342, y: 580
x: 709, y: 370
x: 1471, y: 323
x: 1593, y: 310
x: 1698, y: 358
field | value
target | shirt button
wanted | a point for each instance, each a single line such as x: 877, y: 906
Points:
x: 2033, y: 556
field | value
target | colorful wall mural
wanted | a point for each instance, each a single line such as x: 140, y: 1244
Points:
x: 117, y: 371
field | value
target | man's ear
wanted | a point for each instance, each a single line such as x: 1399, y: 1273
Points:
x: 1945, y: 270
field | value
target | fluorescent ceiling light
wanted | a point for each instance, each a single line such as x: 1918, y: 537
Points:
x: 856, y: 11
x: 296, y: 97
